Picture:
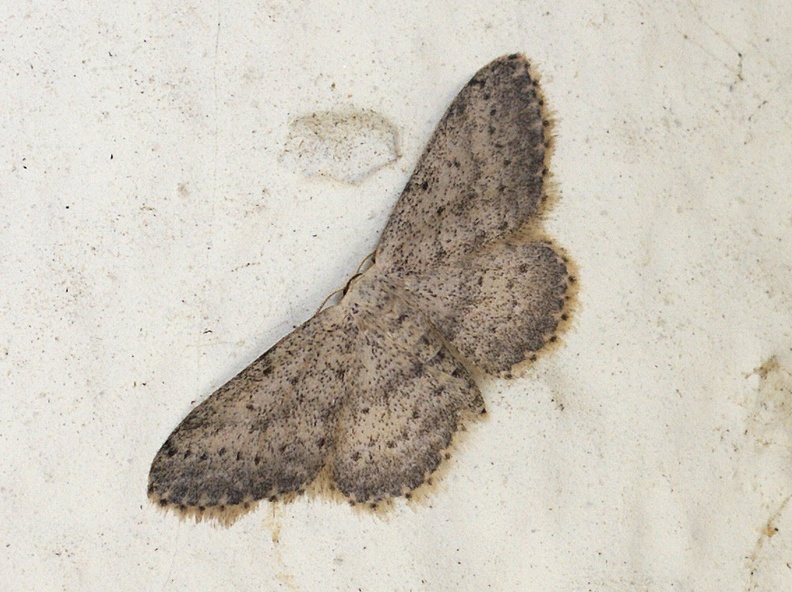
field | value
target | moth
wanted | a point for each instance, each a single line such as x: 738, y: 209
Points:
x: 367, y: 394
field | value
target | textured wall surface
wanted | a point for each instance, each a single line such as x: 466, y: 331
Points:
x: 155, y: 241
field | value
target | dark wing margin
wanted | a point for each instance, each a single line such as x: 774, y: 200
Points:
x: 480, y: 177
x: 266, y: 432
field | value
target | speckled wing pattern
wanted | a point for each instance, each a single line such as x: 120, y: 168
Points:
x: 480, y: 177
x: 406, y: 395
x: 369, y: 392
x: 266, y: 431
